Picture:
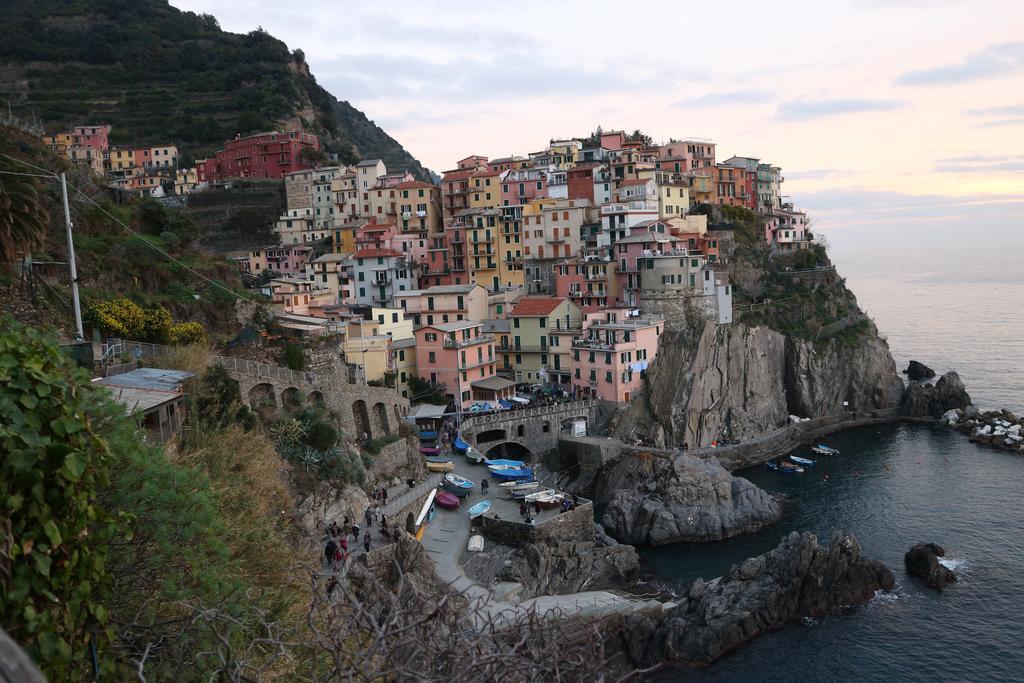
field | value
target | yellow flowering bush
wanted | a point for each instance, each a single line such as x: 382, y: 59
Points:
x: 186, y: 333
x: 122, y: 317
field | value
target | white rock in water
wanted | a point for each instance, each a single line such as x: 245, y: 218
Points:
x: 1015, y: 429
x: 999, y: 431
x: 950, y: 417
x: 1016, y: 438
x: 987, y: 429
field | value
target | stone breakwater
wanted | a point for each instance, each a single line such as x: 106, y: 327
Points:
x: 798, y: 579
x: 998, y: 428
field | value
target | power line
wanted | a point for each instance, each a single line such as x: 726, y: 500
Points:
x: 48, y: 172
x: 159, y: 250
x: 29, y: 175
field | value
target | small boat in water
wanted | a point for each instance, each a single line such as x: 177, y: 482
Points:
x: 479, y: 509
x: 437, y: 463
x: 460, y: 486
x: 784, y: 467
x: 449, y: 501
x: 822, y: 449
x: 802, y: 461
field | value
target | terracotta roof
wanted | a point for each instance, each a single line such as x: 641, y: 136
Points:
x: 536, y: 306
x: 413, y: 184
x: 372, y: 253
x: 460, y: 174
x: 634, y: 181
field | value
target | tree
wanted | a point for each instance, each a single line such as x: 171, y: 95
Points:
x: 640, y: 136
x: 23, y: 218
x: 422, y: 391
x: 60, y: 438
x: 312, y: 157
x: 217, y: 399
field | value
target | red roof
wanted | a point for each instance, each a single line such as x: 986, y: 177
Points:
x: 536, y: 305
x: 413, y: 184
x: 633, y: 181
x: 460, y: 174
x: 373, y: 253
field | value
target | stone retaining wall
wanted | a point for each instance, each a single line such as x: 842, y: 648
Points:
x: 574, y: 525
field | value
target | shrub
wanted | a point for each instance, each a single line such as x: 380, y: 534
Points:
x: 293, y: 357
x: 122, y: 317
x: 321, y: 435
x: 59, y: 437
x: 217, y: 400
x: 156, y: 326
x: 186, y: 333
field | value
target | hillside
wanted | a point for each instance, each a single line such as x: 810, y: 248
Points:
x: 157, y: 74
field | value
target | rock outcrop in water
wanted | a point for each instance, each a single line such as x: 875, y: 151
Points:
x: 657, y: 499
x: 999, y: 428
x: 918, y: 371
x: 922, y: 561
x: 558, y: 567
x: 798, y: 579
x: 925, y: 400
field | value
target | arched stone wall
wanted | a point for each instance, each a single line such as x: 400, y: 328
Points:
x: 380, y: 414
x: 361, y: 419
x: 291, y: 399
x: 262, y: 396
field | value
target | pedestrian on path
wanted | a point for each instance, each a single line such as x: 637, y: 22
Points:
x: 524, y: 510
x: 329, y: 551
x: 355, y: 533
x: 484, y: 485
x: 366, y: 541
x: 384, y: 494
x: 344, y: 547
x: 368, y: 516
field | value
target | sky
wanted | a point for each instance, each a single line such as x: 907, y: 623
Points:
x: 897, y: 118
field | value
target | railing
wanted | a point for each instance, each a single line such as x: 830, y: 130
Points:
x: 459, y: 343
x: 526, y: 413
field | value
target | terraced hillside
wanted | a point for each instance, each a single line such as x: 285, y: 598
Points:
x: 158, y: 74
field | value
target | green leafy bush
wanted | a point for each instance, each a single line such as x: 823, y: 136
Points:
x: 294, y: 357
x: 59, y: 436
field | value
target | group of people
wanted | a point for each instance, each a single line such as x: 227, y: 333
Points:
x: 336, y: 550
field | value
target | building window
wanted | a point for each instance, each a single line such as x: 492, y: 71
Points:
x: 432, y: 357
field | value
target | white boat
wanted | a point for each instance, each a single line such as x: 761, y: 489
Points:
x: 476, y: 543
x: 801, y: 461
x: 520, y: 489
x: 502, y: 468
x: 822, y: 449
x: 540, y: 495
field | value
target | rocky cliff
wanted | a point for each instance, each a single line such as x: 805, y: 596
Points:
x: 926, y: 400
x: 799, y: 578
x: 656, y: 500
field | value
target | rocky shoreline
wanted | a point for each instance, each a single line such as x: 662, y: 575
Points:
x: 997, y: 428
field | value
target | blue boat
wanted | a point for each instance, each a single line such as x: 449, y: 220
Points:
x: 509, y: 475
x: 428, y: 435
x: 822, y: 449
x: 807, y: 462
x: 460, y: 445
x: 479, y: 509
x: 506, y: 463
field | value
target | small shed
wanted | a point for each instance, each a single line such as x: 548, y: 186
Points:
x: 155, y: 395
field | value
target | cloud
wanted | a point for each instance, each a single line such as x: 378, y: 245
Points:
x: 980, y: 163
x: 819, y: 173
x: 1004, y: 110
x: 724, y: 99
x: 805, y: 110
x: 1002, y: 122
x: 992, y: 61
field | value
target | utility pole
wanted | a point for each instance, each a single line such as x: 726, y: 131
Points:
x: 80, y: 333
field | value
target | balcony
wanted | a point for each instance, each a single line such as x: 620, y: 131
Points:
x: 475, y: 363
x: 381, y: 278
x: 450, y: 343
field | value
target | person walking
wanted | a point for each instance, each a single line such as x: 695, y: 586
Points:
x: 384, y: 494
x: 366, y: 541
x: 329, y: 551
x: 484, y: 485
x: 368, y: 516
x: 343, y: 543
x: 524, y: 510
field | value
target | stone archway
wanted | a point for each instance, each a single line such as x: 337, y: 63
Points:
x: 362, y: 419
x: 316, y: 399
x: 262, y: 396
x: 291, y: 399
x: 380, y: 411
x: 510, y: 450
x: 491, y: 435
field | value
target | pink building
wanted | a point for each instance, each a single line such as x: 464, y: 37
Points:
x: 786, y: 230
x: 691, y: 154
x: 375, y: 236
x: 461, y: 357
x: 93, y: 137
x: 523, y: 186
x: 588, y: 283
x: 612, y: 358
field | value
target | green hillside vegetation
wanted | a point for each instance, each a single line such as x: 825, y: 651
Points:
x: 160, y: 75
x: 115, y: 263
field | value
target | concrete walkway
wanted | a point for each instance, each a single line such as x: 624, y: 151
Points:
x: 447, y: 535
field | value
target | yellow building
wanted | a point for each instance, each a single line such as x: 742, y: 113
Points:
x: 419, y: 207
x: 564, y: 153
x: 392, y: 322
x: 185, y: 181
x: 404, y: 353
x: 540, y: 339
x: 485, y: 189
x: 482, y: 247
x: 673, y: 200
x: 366, y: 348
x: 59, y: 142
x: 343, y: 237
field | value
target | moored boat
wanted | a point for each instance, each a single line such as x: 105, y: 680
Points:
x: 460, y: 445
x: 439, y: 464
x: 460, y: 486
x: 514, y: 464
x: 427, y: 450
x: 475, y: 456
x: 479, y: 509
x: 447, y: 500
x: 822, y: 449
x: 802, y: 461
x: 786, y: 466
x: 517, y: 483
x: 525, y: 473
x: 428, y: 435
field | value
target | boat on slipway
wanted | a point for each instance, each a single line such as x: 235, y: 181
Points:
x: 460, y: 486
x: 480, y: 508
x: 500, y: 464
x: 439, y: 463
x: 449, y: 501
x: 525, y: 473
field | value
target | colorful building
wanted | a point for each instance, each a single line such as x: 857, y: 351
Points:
x: 611, y: 359
x: 457, y: 355
x: 540, y: 337
x: 289, y: 260
x: 377, y: 275
x: 265, y: 155
x: 452, y: 303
